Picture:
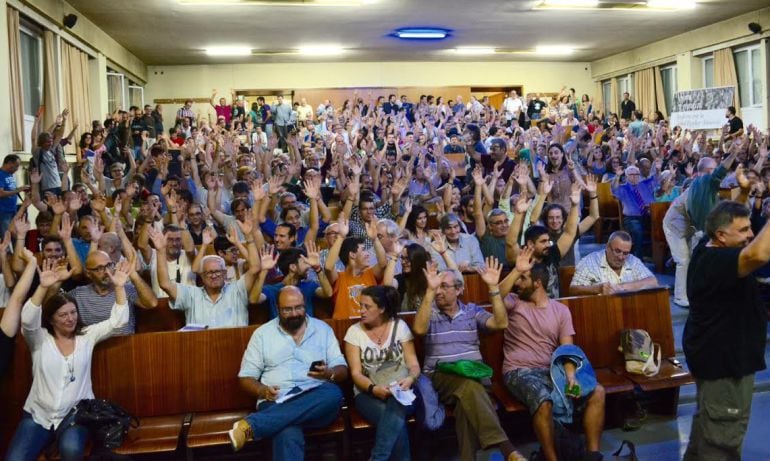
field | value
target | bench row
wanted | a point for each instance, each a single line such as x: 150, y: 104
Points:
x: 185, y: 389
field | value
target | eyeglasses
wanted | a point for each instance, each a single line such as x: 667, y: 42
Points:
x: 446, y: 286
x: 619, y: 252
x: 291, y: 309
x: 101, y: 269
x: 214, y: 274
x: 498, y: 223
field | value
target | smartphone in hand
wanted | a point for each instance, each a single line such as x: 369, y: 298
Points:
x: 315, y: 366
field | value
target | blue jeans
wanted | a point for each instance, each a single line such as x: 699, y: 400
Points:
x: 634, y: 225
x: 284, y: 422
x: 31, y: 439
x: 389, y: 417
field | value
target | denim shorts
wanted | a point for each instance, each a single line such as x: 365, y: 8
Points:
x: 531, y: 386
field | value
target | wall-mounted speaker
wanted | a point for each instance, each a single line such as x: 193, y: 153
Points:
x: 70, y: 20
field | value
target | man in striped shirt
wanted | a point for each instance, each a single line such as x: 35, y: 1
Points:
x: 451, y: 330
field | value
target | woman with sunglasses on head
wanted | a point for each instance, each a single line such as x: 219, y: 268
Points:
x: 61, y: 364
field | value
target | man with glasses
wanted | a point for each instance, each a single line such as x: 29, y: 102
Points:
x: 635, y: 196
x: 451, y: 330
x: 612, y: 270
x: 95, y: 300
x: 290, y: 366
x: 216, y: 304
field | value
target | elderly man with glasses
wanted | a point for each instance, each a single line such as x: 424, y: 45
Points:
x: 612, y: 270
x: 216, y: 304
x: 636, y: 195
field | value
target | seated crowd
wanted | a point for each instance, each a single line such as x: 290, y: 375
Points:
x: 366, y: 205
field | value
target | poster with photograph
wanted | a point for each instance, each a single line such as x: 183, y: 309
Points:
x: 702, y: 109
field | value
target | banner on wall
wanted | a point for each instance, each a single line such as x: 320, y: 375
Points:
x: 702, y: 109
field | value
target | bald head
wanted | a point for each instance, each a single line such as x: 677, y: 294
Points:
x: 290, y: 296
x: 97, y: 258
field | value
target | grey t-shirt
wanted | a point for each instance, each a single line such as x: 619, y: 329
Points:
x: 48, y: 166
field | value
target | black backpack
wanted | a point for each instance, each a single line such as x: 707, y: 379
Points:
x: 569, y: 445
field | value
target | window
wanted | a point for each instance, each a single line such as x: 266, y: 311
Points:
x: 668, y: 76
x: 607, y: 97
x: 136, y: 96
x: 748, y: 67
x: 115, y: 91
x: 31, y: 44
x: 708, y: 72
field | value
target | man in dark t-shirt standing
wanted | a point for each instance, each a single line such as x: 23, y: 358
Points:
x: 725, y: 333
x: 734, y: 123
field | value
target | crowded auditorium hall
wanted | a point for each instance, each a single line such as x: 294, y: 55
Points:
x: 385, y: 230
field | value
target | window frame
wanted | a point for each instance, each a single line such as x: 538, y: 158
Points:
x: 750, y: 98
x: 703, y: 70
x: 675, y: 75
x: 34, y: 32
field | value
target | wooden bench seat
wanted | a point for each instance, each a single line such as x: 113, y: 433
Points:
x: 155, y: 434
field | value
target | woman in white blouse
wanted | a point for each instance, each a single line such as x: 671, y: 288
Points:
x: 381, y: 338
x: 61, y: 365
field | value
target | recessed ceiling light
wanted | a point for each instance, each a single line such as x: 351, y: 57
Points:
x: 423, y: 33
x: 570, y: 3
x: 228, y: 51
x: 321, y: 50
x: 474, y: 50
x: 553, y: 50
x: 671, y: 4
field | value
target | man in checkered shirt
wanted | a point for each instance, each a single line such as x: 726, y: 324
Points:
x: 612, y: 270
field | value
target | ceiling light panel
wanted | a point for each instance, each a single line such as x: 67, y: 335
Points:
x: 421, y: 33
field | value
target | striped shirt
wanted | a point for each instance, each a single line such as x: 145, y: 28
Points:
x: 456, y: 338
x: 94, y: 308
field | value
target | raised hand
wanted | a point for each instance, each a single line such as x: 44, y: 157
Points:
x: 371, y: 229
x: 478, y: 176
x: 522, y: 204
x: 438, y: 241
x: 26, y: 255
x: 313, y: 258
x: 574, y: 195
x: 65, y: 228
x: 208, y: 235
x: 258, y: 190
x: 590, y: 181
x: 343, y: 225
x: 312, y: 189
x: 6, y: 242
x: 432, y: 276
x: 57, y: 205
x: 267, y: 257
x: 740, y: 176
x: 47, y: 273
x: 491, y: 273
x: 524, y: 262
x: 246, y: 226
x: 121, y: 273
x: 94, y: 230
x: 74, y: 205
x: 21, y: 226
x: 158, y: 239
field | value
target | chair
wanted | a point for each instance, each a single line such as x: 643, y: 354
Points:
x: 610, y: 213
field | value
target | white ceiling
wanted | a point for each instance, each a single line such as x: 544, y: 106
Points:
x: 169, y: 32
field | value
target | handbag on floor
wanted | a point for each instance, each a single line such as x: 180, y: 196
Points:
x: 107, y: 422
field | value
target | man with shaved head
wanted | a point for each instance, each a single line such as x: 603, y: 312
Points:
x: 96, y: 299
x: 291, y: 366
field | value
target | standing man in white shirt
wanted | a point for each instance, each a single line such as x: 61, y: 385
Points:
x: 512, y: 106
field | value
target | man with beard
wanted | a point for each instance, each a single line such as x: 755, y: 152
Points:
x: 296, y: 264
x: 291, y: 366
x: 725, y: 333
x: 539, y: 241
x: 451, y: 329
x: 612, y: 270
x: 537, y: 326
x: 216, y: 304
x: 95, y: 301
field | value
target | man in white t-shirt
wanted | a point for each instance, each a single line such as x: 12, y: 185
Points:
x: 179, y: 263
x: 512, y: 106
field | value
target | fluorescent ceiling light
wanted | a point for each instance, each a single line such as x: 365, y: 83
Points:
x: 474, y: 50
x: 422, y: 33
x: 321, y: 50
x: 570, y: 3
x: 553, y: 50
x: 671, y: 4
x: 228, y: 51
